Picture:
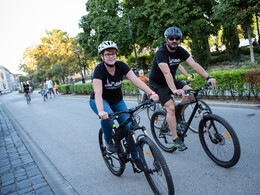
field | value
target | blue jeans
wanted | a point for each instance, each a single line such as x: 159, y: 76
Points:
x: 107, y: 125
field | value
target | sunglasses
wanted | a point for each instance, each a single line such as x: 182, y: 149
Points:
x: 172, y: 38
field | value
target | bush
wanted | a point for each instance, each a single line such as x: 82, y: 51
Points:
x: 64, y: 88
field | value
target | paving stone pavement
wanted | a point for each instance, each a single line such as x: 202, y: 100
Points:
x: 19, y: 174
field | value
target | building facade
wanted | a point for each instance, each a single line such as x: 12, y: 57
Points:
x: 8, y: 80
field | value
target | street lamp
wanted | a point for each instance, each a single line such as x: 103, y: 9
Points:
x: 130, y: 24
x: 83, y: 79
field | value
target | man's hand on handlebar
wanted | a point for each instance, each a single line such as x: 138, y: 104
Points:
x: 213, y: 82
x: 179, y: 92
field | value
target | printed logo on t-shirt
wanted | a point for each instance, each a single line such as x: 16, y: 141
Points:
x: 174, y: 62
x: 112, y: 84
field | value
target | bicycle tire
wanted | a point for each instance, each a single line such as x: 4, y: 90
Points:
x: 219, y: 140
x: 161, y: 131
x: 194, y: 126
x: 27, y: 99
x: 156, y: 169
x: 113, y: 163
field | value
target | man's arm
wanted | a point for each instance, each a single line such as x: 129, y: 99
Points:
x: 197, y: 68
x: 169, y: 78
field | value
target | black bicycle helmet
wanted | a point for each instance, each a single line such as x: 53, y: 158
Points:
x: 172, y: 31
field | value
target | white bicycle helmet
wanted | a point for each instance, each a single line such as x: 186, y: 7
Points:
x: 106, y: 45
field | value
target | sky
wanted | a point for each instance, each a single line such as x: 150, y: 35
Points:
x: 24, y: 22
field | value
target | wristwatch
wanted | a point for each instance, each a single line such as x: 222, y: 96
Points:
x: 209, y: 77
x: 152, y: 93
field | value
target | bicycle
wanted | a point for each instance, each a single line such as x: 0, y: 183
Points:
x: 155, y: 167
x: 28, y: 100
x: 159, y: 106
x: 139, y: 97
x: 216, y: 135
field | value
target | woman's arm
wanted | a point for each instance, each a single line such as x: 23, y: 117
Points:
x: 140, y: 84
x: 97, y: 85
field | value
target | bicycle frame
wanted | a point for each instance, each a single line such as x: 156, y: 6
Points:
x: 131, y: 134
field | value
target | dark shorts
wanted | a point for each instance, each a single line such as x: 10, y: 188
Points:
x: 164, y: 92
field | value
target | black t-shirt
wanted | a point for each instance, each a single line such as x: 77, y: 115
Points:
x: 111, y: 84
x: 172, y: 59
x: 26, y: 87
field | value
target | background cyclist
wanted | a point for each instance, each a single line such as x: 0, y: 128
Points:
x: 162, y: 77
x: 106, y: 96
x: 26, y: 89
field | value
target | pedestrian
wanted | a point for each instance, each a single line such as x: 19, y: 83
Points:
x: 49, y: 84
x: 70, y: 80
x: 107, y: 97
x: 162, y: 77
x: 254, y: 42
x: 145, y: 80
x: 216, y: 47
x: 56, y: 87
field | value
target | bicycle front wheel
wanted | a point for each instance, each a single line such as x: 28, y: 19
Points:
x: 114, y: 164
x: 156, y: 169
x: 197, y: 117
x: 219, y: 140
x: 161, y: 131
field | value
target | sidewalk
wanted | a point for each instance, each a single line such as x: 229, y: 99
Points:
x: 19, y: 174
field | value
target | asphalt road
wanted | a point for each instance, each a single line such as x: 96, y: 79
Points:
x: 62, y: 135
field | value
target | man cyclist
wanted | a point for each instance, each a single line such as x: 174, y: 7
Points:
x: 26, y: 89
x: 162, y: 77
x: 49, y: 84
x: 106, y: 96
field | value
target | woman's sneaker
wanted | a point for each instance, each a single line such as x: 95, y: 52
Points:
x: 110, y: 148
x: 179, y: 144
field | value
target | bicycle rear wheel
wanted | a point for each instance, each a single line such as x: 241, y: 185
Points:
x: 219, y: 140
x: 156, y: 169
x: 114, y: 164
x: 161, y: 131
x: 197, y: 117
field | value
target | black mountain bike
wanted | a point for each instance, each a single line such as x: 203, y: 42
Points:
x: 155, y: 167
x: 28, y: 101
x: 217, y: 136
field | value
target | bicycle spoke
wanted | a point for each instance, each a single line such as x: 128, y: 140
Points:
x: 220, y: 141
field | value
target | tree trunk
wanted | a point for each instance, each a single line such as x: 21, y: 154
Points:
x: 250, y: 43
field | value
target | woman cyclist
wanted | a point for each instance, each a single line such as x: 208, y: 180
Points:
x: 106, y: 96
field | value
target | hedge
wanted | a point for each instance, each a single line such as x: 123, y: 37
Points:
x: 235, y: 84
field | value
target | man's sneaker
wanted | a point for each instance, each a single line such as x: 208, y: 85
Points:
x: 110, y: 147
x: 179, y: 144
x: 138, y: 163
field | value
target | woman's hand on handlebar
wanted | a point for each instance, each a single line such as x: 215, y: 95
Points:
x: 155, y: 97
x: 103, y: 115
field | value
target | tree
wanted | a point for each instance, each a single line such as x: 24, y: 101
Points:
x: 56, y: 48
x: 104, y: 21
x: 239, y: 12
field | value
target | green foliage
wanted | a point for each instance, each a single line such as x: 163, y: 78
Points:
x: 84, y: 88
x: 128, y: 88
x: 57, y: 48
x: 144, y: 61
x: 22, y: 79
x: 64, y: 89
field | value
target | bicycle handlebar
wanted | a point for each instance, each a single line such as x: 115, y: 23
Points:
x: 146, y: 104
x: 196, y: 91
